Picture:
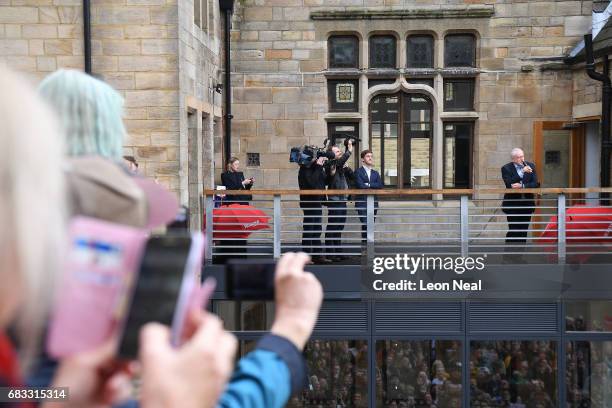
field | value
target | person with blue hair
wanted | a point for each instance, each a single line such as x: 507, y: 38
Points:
x: 91, y: 115
x: 90, y: 111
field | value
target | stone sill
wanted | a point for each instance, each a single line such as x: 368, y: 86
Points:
x: 459, y: 72
x: 394, y: 72
x: 343, y: 116
x: 342, y: 73
x: 464, y: 115
x: 404, y: 14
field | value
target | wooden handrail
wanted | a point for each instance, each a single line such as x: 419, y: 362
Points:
x: 412, y: 192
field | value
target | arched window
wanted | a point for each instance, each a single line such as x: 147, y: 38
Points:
x: 460, y: 50
x: 420, y: 49
x: 382, y: 51
x: 401, y: 138
x: 343, y: 51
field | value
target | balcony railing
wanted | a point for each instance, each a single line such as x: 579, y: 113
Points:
x: 567, y: 224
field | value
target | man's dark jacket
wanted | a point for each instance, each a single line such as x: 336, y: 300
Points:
x: 529, y: 180
x: 311, y: 177
x: 339, y: 181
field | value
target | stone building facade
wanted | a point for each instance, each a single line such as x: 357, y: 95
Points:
x: 164, y: 56
x: 282, y: 70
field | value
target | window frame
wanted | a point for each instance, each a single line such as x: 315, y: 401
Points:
x: 470, y: 155
x: 447, y: 63
x: 433, y: 50
x: 453, y: 108
x: 371, y: 39
x: 403, y: 138
x: 330, y: 58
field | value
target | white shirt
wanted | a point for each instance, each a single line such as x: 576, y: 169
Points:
x: 368, y: 171
x: 519, y: 170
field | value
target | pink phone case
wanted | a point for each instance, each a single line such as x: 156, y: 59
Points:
x: 102, y: 262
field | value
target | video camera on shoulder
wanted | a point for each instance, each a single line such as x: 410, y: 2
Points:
x: 305, y: 154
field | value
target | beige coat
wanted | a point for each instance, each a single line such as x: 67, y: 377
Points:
x: 100, y: 188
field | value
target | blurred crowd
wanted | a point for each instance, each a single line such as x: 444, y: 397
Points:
x: 515, y: 374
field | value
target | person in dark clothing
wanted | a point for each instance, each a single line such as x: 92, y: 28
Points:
x: 337, y: 174
x: 518, y: 174
x: 366, y: 178
x: 233, y: 179
x: 311, y: 176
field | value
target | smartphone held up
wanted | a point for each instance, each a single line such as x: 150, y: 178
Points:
x: 118, y: 279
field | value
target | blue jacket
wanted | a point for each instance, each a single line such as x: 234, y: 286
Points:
x: 266, y: 377
x: 362, y: 182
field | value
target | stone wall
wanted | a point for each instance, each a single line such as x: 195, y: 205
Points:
x: 164, y: 67
x: 37, y: 37
x: 134, y: 49
x: 279, y: 62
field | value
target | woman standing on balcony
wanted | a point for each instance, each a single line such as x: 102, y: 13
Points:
x: 233, y: 179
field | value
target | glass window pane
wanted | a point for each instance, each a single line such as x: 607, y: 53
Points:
x: 390, y: 146
x: 457, y: 155
x: 382, y: 51
x: 343, y: 52
x: 460, y: 50
x: 589, y: 374
x: 523, y: 373
x: 376, y: 144
x: 419, y: 162
x: 588, y: 316
x: 421, y: 373
x: 420, y: 51
x: 338, y: 372
x: 458, y: 94
x: 449, y: 162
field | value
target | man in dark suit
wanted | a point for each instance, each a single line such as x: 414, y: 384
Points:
x: 518, y: 174
x: 311, y: 176
x: 366, y: 178
x: 233, y: 179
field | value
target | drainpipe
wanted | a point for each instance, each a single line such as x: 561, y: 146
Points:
x: 606, y: 144
x: 227, y: 6
x: 87, y: 35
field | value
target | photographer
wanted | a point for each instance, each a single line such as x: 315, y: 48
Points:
x: 311, y: 176
x: 337, y: 174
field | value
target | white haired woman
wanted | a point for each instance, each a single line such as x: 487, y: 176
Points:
x: 31, y: 246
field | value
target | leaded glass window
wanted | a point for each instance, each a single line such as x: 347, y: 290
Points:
x: 343, y: 95
x: 460, y: 50
x: 382, y: 51
x: 343, y: 51
x: 420, y: 51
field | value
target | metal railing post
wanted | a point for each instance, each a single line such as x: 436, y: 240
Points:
x: 276, y: 245
x: 465, y: 227
x: 370, y: 224
x: 210, y: 206
x: 561, y: 236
